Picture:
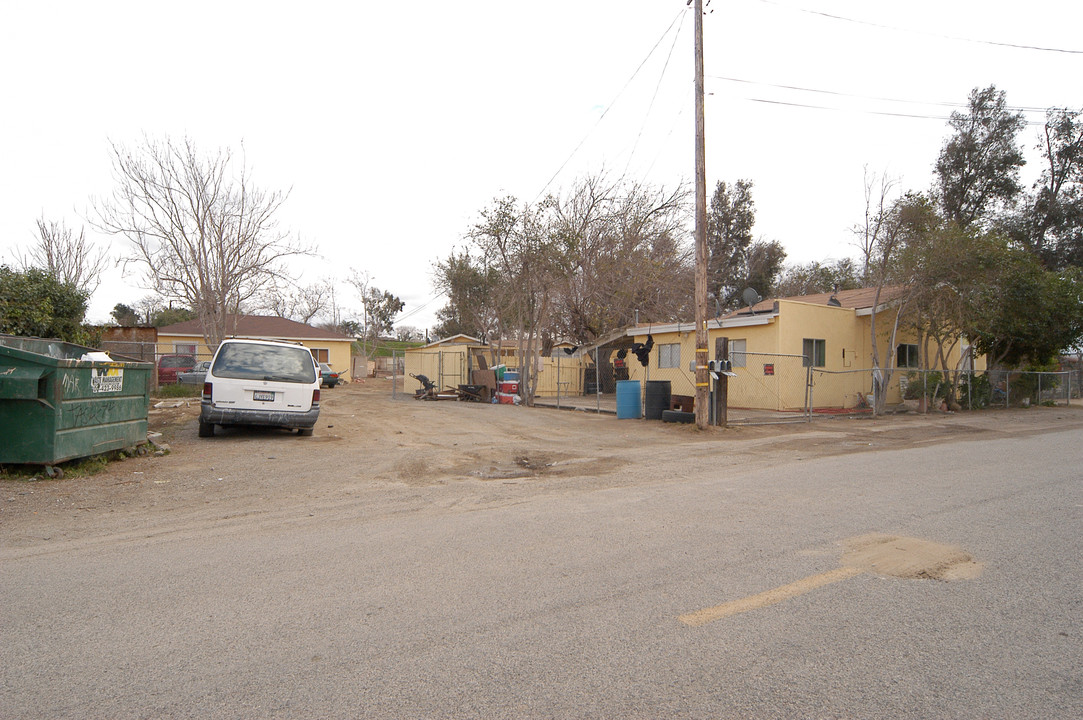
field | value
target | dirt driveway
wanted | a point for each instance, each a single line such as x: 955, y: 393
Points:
x: 390, y: 455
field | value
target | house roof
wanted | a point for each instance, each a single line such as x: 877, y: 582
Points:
x: 460, y: 339
x: 763, y: 312
x: 259, y: 326
x: 859, y: 299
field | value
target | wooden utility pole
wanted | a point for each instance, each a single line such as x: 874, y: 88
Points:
x: 702, y: 377
x: 722, y: 385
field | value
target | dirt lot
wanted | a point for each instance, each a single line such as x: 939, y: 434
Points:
x: 377, y: 455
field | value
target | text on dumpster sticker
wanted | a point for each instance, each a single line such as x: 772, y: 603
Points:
x: 103, y: 380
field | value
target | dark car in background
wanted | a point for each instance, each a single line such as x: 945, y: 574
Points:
x: 329, y: 377
x: 196, y: 375
x: 169, y: 366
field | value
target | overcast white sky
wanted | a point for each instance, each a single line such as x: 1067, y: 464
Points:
x: 393, y: 124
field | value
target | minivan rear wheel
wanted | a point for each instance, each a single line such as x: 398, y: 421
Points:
x: 304, y: 432
x: 206, y: 429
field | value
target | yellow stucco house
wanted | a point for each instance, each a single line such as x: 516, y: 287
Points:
x: 791, y: 353
x: 326, y: 346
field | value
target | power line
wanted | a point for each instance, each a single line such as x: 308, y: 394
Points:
x: 865, y: 97
x: 657, y: 87
x: 610, y: 106
x: 865, y: 112
x: 1015, y: 46
x: 419, y: 308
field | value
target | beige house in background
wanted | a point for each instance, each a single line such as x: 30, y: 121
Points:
x: 326, y: 346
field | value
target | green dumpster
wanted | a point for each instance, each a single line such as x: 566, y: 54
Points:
x: 60, y: 401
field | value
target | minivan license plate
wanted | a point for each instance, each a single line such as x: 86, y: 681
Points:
x: 265, y: 395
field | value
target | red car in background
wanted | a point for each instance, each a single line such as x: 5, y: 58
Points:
x: 170, y: 365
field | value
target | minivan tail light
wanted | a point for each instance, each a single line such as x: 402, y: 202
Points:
x: 316, y: 396
x: 207, y: 391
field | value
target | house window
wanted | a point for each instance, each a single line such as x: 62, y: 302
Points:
x: 321, y: 354
x: 815, y: 352
x: 669, y: 355
x: 184, y: 348
x: 737, y: 352
x: 906, y: 356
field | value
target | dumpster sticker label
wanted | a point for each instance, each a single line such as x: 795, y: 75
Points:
x: 104, y: 380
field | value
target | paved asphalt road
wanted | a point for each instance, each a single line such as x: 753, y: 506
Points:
x: 566, y: 605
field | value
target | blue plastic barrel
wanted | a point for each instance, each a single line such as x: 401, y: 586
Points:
x: 628, y: 399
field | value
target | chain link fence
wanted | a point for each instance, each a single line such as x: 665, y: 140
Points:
x: 767, y: 387
x: 841, y: 392
x: 767, y: 383
x: 169, y: 367
x: 932, y: 389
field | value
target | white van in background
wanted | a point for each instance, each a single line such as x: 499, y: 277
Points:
x: 259, y: 382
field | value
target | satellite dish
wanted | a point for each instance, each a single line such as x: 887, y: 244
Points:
x: 750, y: 297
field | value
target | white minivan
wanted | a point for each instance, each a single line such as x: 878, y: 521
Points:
x: 260, y: 382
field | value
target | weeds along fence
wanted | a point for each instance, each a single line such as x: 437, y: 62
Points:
x: 996, y: 388
x: 836, y: 392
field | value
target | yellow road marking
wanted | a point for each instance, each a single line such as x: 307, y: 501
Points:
x: 769, y: 597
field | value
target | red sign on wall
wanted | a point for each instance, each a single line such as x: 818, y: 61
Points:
x: 768, y: 368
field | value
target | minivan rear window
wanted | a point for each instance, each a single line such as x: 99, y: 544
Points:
x: 264, y: 362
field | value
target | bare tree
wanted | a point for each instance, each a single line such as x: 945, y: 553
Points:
x: 619, y: 252
x: 908, y: 218
x: 69, y: 259
x: 300, y: 303
x: 201, y: 232
x: 878, y: 191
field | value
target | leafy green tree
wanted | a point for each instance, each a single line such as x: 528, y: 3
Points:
x: 1028, y: 314
x: 763, y: 266
x: 35, y: 303
x: 470, y: 289
x: 171, y: 316
x: 379, y: 308
x: 730, y: 218
x: 1050, y: 221
x: 124, y: 316
x: 977, y: 172
x: 818, y: 277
